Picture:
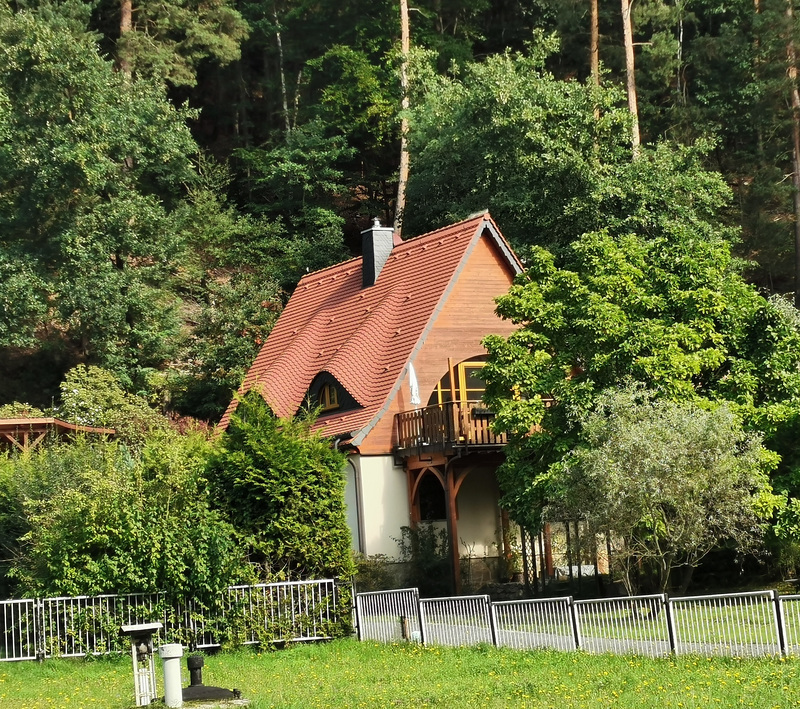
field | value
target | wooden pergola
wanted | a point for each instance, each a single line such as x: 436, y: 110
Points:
x: 25, y: 434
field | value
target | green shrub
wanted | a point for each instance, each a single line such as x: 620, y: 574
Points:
x: 426, y: 551
x: 97, y: 518
x: 282, y: 487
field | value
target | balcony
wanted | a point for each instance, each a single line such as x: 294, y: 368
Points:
x: 446, y: 428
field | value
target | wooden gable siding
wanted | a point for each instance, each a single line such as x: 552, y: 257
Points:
x: 465, y: 319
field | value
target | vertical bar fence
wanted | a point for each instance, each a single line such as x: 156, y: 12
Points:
x: 636, y: 625
x: 731, y: 624
x: 90, y: 625
x: 535, y: 624
x: 789, y: 614
x: 388, y: 616
x: 752, y: 624
x: 19, y: 630
x: 458, y: 620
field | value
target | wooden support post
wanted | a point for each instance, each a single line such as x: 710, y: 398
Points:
x: 542, y: 561
x: 569, y: 551
x: 548, y: 549
x: 578, y: 554
x: 412, y: 476
x: 452, y: 526
x: 506, y: 542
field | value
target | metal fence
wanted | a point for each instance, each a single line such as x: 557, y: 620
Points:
x: 789, y: 615
x: 459, y: 620
x: 759, y: 623
x: 738, y: 624
x: 535, y: 624
x: 636, y: 625
x: 386, y: 616
x: 90, y: 625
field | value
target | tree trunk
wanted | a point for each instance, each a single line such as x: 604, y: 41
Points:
x: 680, y: 84
x: 125, y: 26
x: 296, y: 109
x: 792, y: 73
x: 686, y: 579
x: 284, y: 98
x: 630, y: 73
x: 405, y: 45
x: 594, y: 46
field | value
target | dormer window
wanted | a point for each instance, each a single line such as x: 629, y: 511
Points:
x: 327, y: 393
x: 328, y: 397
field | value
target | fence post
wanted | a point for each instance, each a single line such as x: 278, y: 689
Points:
x: 780, y: 622
x: 40, y: 643
x: 358, y: 617
x: 673, y: 642
x: 423, y: 631
x: 576, y: 625
x: 492, y: 621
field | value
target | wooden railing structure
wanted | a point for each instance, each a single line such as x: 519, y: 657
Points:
x: 446, y: 427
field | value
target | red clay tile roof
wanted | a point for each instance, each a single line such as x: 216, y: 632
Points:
x: 362, y: 336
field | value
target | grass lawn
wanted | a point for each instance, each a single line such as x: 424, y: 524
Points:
x: 346, y: 673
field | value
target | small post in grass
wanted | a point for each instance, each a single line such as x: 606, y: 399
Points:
x: 144, y: 669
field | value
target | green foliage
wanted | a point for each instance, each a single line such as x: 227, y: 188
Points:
x: 97, y: 519
x: 374, y: 572
x: 282, y: 487
x: 663, y: 305
x: 426, y: 551
x: 17, y: 410
x: 91, y: 396
x: 668, y: 481
x: 228, y: 285
x: 107, y: 516
x: 90, y: 165
x: 169, y: 40
x: 509, y: 136
x: 296, y: 183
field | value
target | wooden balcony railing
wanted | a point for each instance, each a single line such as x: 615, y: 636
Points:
x: 443, y: 427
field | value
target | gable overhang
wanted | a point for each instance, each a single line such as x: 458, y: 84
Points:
x: 486, y: 226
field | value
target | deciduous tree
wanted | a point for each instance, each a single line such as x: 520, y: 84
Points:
x: 668, y: 482
x: 654, y: 296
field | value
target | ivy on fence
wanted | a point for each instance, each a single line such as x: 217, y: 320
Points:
x: 90, y: 625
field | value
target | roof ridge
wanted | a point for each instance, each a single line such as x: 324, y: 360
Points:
x: 448, y: 227
x: 342, y: 264
x: 333, y: 266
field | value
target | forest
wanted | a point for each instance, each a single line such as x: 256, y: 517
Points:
x: 169, y: 170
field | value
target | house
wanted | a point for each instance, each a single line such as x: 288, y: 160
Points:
x: 389, y: 345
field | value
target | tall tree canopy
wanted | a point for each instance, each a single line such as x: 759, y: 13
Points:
x: 91, y: 166
x: 660, y: 302
x: 118, y: 243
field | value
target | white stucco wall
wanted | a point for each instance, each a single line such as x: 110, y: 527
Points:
x: 383, y: 500
x: 379, y: 488
x: 351, y: 499
x: 478, y: 515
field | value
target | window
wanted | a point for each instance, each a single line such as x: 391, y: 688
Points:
x: 328, y: 397
x: 468, y: 384
x: 432, y: 503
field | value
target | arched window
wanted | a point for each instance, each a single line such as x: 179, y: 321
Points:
x: 432, y: 503
x: 468, y: 385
